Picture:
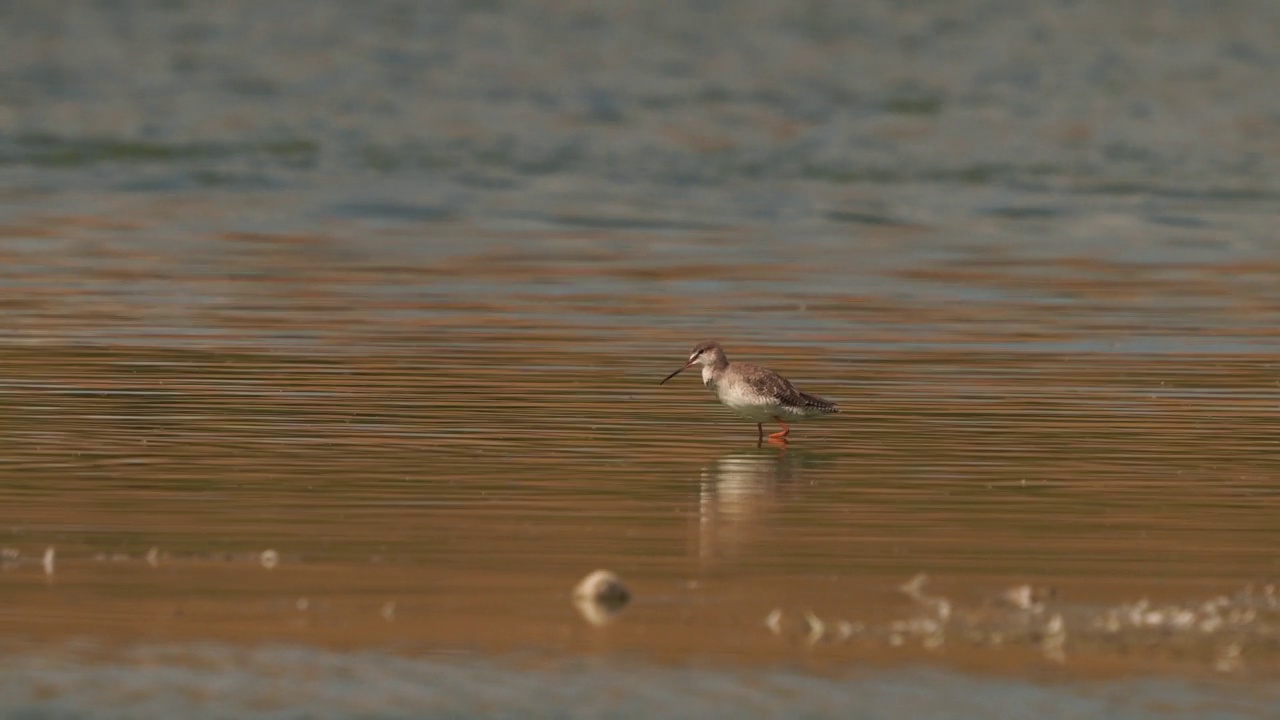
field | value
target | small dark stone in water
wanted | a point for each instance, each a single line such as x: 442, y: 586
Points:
x: 600, y: 596
x: 602, y: 587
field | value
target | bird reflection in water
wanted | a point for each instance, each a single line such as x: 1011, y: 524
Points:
x: 738, y: 494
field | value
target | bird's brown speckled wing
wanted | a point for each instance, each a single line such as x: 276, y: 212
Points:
x: 768, y: 383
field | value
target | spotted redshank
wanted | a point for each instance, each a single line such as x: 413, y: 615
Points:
x: 756, y: 393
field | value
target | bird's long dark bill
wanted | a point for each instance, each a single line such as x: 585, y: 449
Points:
x: 686, y: 367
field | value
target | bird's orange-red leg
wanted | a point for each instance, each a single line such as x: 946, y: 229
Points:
x: 781, y: 434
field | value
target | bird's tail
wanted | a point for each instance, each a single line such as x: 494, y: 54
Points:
x: 818, y: 403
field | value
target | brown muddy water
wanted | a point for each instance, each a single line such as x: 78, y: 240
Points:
x: 331, y: 341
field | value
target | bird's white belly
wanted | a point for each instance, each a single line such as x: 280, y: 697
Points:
x: 759, y: 413
x: 754, y: 406
x: 749, y: 404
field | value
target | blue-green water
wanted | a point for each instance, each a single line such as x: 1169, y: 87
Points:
x: 292, y: 682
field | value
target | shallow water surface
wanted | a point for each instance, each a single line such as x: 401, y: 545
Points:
x: 331, y: 345
x: 449, y: 503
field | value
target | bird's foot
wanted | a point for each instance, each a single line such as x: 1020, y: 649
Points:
x: 781, y: 434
